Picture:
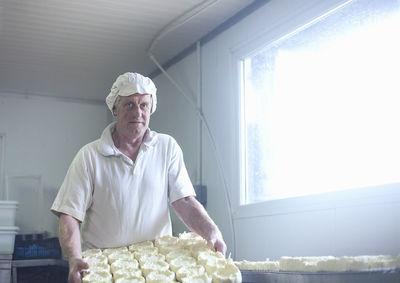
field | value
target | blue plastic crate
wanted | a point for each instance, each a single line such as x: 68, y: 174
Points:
x: 36, y: 248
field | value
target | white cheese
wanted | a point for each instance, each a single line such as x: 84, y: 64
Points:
x: 190, y: 236
x: 167, y: 249
x: 166, y: 240
x: 91, y: 252
x: 96, y: 259
x: 145, y: 251
x: 130, y: 280
x: 197, y: 279
x: 127, y: 256
x: 266, y: 265
x: 137, y: 246
x: 190, y: 271
x: 150, y: 266
x: 127, y: 274
x: 160, y: 276
x: 97, y: 277
x: 97, y: 266
x: 124, y: 265
x: 178, y: 262
x: 142, y: 258
x: 108, y: 251
x: 176, y: 253
x: 228, y: 274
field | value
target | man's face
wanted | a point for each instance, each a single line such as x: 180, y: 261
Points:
x: 133, y: 113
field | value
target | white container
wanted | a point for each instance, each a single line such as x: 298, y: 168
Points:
x: 8, y: 210
x: 7, y: 239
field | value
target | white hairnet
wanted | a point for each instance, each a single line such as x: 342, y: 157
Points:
x: 131, y: 83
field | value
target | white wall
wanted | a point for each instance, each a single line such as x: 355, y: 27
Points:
x: 42, y: 135
x: 175, y: 117
x: 346, y: 223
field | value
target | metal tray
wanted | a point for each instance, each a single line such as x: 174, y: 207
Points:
x: 378, y: 276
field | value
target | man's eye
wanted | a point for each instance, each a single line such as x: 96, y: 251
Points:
x: 128, y: 105
x: 144, y: 105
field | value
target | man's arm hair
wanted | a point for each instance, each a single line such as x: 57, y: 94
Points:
x: 196, y: 218
x: 69, y: 236
x: 70, y: 241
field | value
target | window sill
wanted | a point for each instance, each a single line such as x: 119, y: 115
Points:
x: 387, y: 193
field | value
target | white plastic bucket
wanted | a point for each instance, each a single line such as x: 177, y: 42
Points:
x: 7, y: 239
x: 8, y: 212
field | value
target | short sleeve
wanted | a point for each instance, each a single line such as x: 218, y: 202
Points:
x: 179, y: 184
x: 75, y: 194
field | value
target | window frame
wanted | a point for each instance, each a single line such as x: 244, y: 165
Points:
x: 2, y: 164
x: 287, y: 25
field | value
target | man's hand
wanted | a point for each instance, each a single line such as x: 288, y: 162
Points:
x: 217, y: 242
x: 76, y: 267
x: 195, y: 217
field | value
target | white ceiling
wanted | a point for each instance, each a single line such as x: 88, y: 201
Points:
x: 60, y: 48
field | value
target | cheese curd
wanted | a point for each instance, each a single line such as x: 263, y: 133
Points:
x: 167, y: 249
x: 96, y: 259
x: 190, y: 260
x: 130, y: 280
x: 209, y: 256
x: 178, y: 262
x: 137, y: 246
x: 150, y: 257
x: 97, y: 277
x: 177, y: 253
x: 196, y: 250
x: 166, y: 240
x: 109, y: 251
x: 127, y: 274
x: 91, y: 252
x: 229, y: 273
x: 145, y: 251
x: 189, y: 271
x: 120, y: 255
x: 376, y: 262
x: 160, y: 276
x: 97, y: 266
x: 336, y: 264
x: 266, y: 265
x: 212, y: 266
x: 299, y: 263
x: 396, y: 262
x: 197, y: 279
x: 150, y: 266
x: 125, y: 265
x: 195, y: 243
x: 332, y: 265
x: 190, y: 236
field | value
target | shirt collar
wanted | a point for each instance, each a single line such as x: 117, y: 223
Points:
x: 106, y: 145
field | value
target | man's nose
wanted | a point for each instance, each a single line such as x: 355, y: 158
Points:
x: 136, y: 110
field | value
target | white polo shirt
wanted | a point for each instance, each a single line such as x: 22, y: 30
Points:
x: 120, y: 201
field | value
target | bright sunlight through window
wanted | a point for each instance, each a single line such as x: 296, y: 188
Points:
x: 321, y: 107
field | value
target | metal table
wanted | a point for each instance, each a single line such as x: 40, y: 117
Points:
x: 35, y: 262
x: 5, y: 268
x: 373, y: 276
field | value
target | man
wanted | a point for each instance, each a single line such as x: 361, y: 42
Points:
x: 119, y: 186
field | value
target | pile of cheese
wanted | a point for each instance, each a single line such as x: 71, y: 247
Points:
x: 323, y: 264
x: 186, y: 258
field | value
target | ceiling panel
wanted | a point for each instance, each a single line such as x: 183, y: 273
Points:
x: 57, y: 40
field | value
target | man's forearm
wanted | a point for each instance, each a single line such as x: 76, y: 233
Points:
x: 195, y: 217
x: 69, y: 235
x: 70, y: 240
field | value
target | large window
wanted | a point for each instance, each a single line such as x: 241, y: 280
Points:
x: 321, y: 107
